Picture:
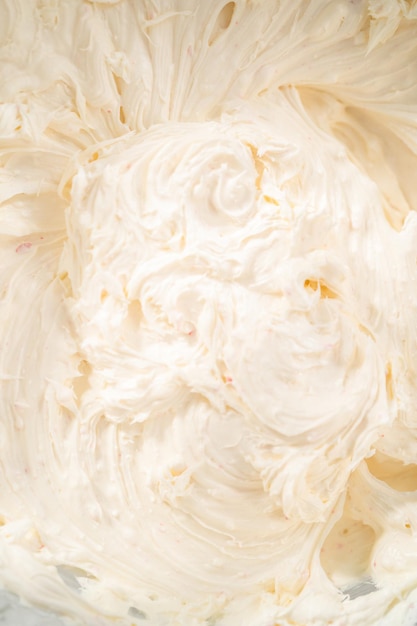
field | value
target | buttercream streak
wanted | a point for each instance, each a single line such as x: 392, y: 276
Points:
x: 208, y: 310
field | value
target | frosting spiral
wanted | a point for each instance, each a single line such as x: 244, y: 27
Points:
x: 208, y: 310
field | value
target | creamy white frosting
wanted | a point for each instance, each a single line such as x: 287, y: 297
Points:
x: 208, y: 310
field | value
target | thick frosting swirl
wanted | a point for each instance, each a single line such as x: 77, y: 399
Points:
x: 208, y: 308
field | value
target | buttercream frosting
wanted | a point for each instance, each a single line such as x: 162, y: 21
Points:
x: 208, y: 310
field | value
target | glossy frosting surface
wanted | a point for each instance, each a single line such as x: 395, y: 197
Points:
x: 208, y: 310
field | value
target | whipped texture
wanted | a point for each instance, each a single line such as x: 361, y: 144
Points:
x: 208, y: 307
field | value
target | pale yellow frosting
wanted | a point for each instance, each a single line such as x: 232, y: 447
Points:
x: 208, y: 310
